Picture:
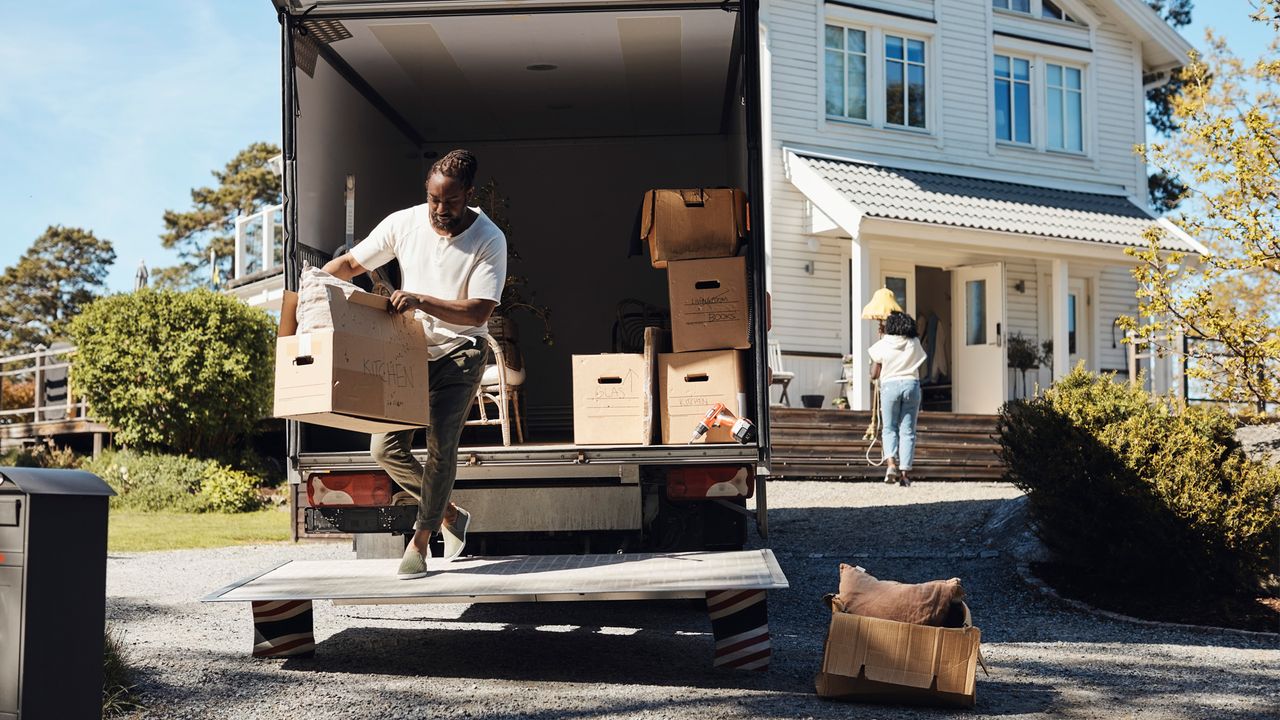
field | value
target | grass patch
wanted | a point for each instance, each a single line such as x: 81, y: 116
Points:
x: 119, y: 695
x: 134, y: 531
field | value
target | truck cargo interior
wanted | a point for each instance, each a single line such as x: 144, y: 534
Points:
x: 572, y: 116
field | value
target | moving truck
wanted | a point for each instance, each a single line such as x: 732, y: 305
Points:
x: 574, y: 108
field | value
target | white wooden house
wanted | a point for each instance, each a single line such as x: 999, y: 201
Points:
x: 975, y: 156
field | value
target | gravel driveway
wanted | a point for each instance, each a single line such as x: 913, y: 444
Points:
x: 652, y: 660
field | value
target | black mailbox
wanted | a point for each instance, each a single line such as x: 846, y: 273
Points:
x: 53, y: 585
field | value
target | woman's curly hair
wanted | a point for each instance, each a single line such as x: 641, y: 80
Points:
x: 900, y: 323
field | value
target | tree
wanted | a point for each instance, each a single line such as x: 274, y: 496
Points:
x: 1228, y: 125
x: 247, y: 184
x: 64, y: 269
x: 183, y: 371
x: 1165, y: 190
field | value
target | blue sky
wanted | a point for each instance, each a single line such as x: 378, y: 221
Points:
x: 110, y: 112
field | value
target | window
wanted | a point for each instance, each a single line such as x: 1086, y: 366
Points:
x: 975, y: 318
x: 1046, y: 8
x: 1071, y: 324
x: 1064, y: 108
x: 875, y: 71
x: 1013, y: 99
x: 846, y: 72
x: 1049, y: 10
x: 899, y: 287
x: 904, y: 93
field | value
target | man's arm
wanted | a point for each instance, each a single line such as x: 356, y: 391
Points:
x: 344, y: 267
x: 472, y: 311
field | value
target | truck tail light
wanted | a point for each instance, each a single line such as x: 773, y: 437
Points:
x: 710, y: 481
x: 349, y: 489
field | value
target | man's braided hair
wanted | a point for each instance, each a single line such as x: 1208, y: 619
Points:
x: 458, y: 164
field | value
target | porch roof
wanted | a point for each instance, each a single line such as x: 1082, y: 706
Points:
x: 891, y: 193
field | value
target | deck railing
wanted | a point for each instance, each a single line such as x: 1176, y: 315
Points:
x: 259, y: 242
x: 46, y: 375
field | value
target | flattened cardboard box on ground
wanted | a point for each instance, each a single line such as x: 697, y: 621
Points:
x: 368, y: 373
x: 690, y: 383
x: 693, y: 223
x: 612, y: 399
x: 868, y: 659
x: 708, y: 304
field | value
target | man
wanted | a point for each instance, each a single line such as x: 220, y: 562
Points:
x: 453, y: 263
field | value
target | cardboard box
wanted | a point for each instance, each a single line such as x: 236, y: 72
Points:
x: 690, y: 383
x: 690, y: 224
x: 368, y: 373
x: 868, y: 659
x: 709, y: 304
x: 612, y: 399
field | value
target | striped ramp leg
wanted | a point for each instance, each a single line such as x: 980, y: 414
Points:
x: 282, y: 628
x: 740, y: 623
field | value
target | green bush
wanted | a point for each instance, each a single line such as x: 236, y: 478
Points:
x: 184, y: 371
x: 152, y: 482
x: 229, y: 491
x: 1133, y: 492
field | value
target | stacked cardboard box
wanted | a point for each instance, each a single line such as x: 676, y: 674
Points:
x: 695, y: 235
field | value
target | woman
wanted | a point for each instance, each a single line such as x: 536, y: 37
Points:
x: 896, y: 361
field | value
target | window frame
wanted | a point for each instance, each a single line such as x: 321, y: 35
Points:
x: 877, y: 25
x: 907, y: 63
x: 1036, y: 12
x: 1066, y: 90
x: 1041, y: 55
x: 1031, y: 100
x: 867, y: 72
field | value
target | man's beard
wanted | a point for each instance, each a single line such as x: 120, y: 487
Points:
x: 447, y: 222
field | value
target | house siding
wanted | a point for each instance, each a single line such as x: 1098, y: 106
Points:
x: 811, y: 311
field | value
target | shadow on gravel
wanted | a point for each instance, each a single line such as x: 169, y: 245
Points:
x: 885, y: 529
x: 132, y: 609
x: 649, y: 657
x: 1126, y: 688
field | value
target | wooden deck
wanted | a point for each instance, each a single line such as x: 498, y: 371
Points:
x: 829, y: 444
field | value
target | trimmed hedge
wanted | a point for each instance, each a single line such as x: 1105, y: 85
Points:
x: 188, y: 372
x: 153, y: 482
x: 1133, y: 492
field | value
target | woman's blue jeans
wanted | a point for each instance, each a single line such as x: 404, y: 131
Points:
x: 899, y: 406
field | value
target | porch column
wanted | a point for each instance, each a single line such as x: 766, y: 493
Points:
x: 1059, y: 290
x: 860, y: 290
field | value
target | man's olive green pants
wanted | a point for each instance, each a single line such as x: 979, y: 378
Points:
x: 454, y: 379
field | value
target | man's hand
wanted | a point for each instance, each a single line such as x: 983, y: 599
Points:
x: 403, y: 302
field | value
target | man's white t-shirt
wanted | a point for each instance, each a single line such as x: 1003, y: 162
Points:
x: 472, y: 265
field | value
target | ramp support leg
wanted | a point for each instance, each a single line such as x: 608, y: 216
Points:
x: 283, y: 628
x: 740, y: 624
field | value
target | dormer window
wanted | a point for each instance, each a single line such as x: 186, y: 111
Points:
x: 1035, y: 8
x: 1049, y: 10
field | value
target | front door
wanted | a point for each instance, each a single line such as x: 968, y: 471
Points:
x: 978, y: 337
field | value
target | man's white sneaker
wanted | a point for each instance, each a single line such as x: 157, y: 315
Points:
x: 455, y: 535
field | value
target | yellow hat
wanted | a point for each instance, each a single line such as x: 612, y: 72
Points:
x: 882, y: 303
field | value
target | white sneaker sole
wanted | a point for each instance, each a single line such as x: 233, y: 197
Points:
x: 454, y: 545
x: 410, y: 576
